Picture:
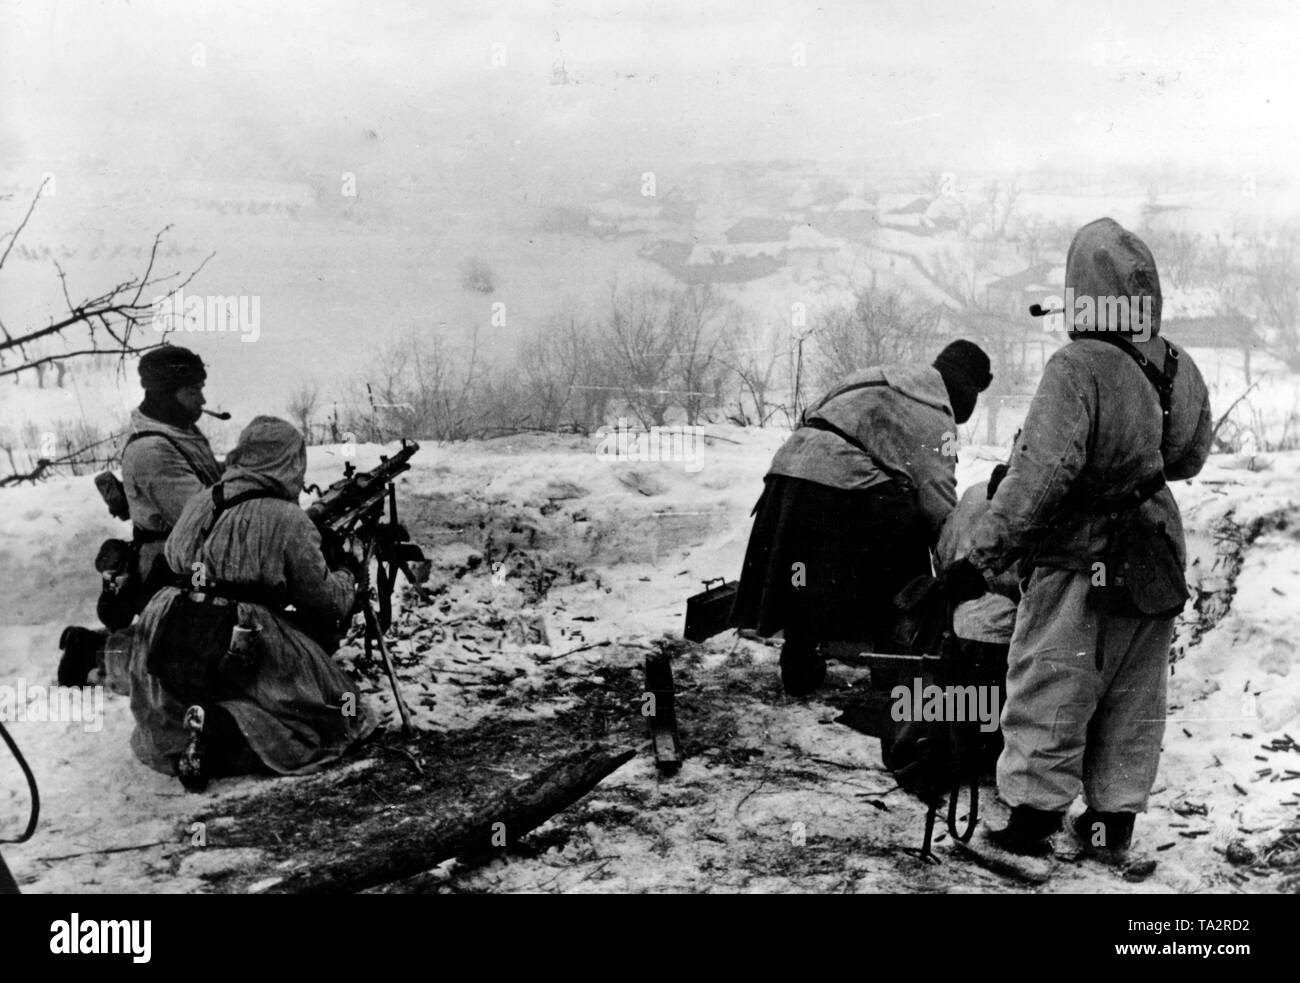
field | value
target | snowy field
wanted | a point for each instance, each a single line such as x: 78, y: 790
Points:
x: 606, y: 552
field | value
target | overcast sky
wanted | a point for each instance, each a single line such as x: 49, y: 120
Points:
x: 290, y: 85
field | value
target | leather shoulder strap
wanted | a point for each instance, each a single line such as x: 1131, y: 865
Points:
x: 167, y: 437
x: 221, y: 504
x: 1162, y: 381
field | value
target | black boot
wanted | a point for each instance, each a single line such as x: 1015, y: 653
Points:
x: 802, y: 667
x: 1028, y: 831
x: 82, y: 651
x: 1105, y: 836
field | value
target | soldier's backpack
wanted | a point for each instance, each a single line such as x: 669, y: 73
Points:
x: 123, y: 593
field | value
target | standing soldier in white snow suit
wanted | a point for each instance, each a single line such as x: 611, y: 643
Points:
x: 1086, y: 510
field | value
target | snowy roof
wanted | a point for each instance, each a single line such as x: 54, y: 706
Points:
x: 756, y: 228
x: 1041, y: 278
x: 892, y: 201
x: 804, y: 236
x: 855, y: 203
x: 916, y: 205
x: 703, y: 254
x: 945, y: 209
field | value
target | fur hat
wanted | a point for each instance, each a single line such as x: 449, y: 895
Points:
x: 170, y: 367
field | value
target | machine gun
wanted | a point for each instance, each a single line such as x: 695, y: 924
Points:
x: 351, y: 520
x: 933, y: 760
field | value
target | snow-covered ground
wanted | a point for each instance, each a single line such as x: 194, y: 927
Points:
x: 606, y: 551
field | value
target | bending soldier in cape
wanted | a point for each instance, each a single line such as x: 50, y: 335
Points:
x: 851, y: 506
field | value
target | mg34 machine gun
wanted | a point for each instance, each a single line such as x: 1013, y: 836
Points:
x: 350, y: 515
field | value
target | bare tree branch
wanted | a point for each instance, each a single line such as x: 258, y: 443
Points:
x: 13, y: 236
x: 35, y: 475
x: 1228, y: 412
x: 62, y: 356
x: 118, y: 312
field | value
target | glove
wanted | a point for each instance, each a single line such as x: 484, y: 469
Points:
x: 346, y: 559
x: 920, y: 590
x: 964, y: 582
x: 995, y: 479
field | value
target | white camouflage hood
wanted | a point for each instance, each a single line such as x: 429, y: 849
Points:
x: 1111, y: 283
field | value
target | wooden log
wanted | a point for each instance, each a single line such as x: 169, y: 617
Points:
x: 391, y: 852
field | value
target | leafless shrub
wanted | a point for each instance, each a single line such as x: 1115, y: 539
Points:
x: 302, y: 406
x: 550, y: 364
x: 757, y: 355
x: 1180, y: 256
x: 661, y: 347
x: 419, y: 387
x: 878, y: 328
x: 1275, y: 277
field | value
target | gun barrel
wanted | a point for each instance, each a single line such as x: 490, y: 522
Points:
x: 352, y: 498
